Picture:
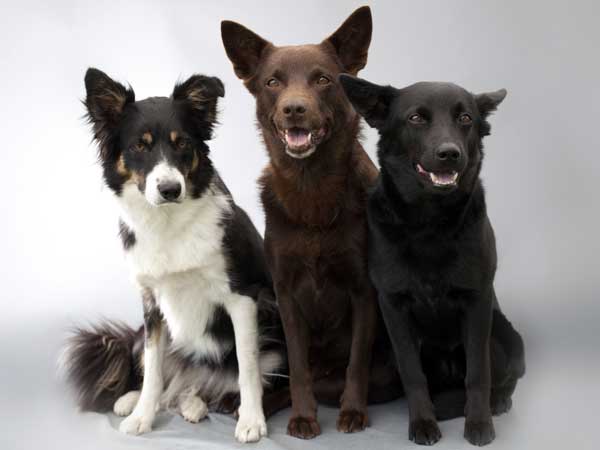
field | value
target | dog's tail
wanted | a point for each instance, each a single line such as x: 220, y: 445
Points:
x: 101, y: 363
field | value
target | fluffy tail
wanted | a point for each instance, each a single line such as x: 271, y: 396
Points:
x: 101, y: 364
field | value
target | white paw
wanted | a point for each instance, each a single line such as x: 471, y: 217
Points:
x: 250, y: 427
x: 137, y: 424
x: 193, y: 409
x: 126, y: 403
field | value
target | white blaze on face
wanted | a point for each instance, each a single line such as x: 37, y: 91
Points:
x: 163, y: 174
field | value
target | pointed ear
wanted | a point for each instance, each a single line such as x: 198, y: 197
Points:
x: 243, y: 47
x: 489, y: 101
x: 105, y: 101
x: 199, y: 96
x: 351, y: 40
x: 369, y: 100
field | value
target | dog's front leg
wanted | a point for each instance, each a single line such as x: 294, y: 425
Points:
x: 141, y: 419
x: 251, y: 425
x: 303, y: 421
x: 479, y: 428
x: 423, y: 428
x: 353, y: 415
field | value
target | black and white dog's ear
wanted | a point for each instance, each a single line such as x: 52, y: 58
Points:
x: 489, y: 101
x: 370, y: 100
x: 199, y: 94
x: 105, y: 100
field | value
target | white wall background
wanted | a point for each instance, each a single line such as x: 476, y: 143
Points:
x: 61, y: 262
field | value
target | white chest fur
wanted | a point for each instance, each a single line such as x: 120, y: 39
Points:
x: 178, y: 253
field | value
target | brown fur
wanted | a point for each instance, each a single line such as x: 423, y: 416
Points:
x: 316, y: 231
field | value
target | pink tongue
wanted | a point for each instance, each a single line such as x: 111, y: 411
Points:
x: 297, y: 137
x: 444, y: 177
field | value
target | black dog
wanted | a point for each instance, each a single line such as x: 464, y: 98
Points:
x: 432, y: 255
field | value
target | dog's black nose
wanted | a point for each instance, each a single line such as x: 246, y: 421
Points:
x: 169, y: 190
x: 294, y: 108
x: 448, y: 152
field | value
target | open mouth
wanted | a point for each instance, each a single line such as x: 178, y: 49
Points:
x: 300, y: 142
x: 439, y: 179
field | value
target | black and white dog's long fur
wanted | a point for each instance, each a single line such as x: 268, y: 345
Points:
x: 198, y: 262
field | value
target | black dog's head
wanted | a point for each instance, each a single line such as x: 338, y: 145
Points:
x: 300, y: 103
x: 431, y: 133
x: 156, y: 144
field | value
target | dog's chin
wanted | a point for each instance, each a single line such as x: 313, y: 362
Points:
x: 300, y: 143
x: 438, y: 182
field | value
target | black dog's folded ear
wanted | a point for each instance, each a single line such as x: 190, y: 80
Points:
x: 199, y: 94
x: 489, y: 101
x: 105, y: 101
x: 244, y: 48
x: 370, y: 100
x: 352, y: 39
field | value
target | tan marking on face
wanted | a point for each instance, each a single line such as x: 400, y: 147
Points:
x: 121, y: 169
x: 173, y: 135
x: 147, y: 137
x: 195, y: 163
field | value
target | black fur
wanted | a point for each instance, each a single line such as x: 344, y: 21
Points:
x: 433, y: 255
x: 127, y: 236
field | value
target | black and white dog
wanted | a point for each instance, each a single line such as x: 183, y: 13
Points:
x: 432, y: 255
x: 198, y: 262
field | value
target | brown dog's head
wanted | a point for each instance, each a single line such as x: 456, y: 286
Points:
x: 300, y: 103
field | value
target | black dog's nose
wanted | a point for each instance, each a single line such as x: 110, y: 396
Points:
x: 169, y: 190
x: 448, y: 152
x: 294, y: 108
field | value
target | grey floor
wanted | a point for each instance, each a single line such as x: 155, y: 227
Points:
x: 555, y: 406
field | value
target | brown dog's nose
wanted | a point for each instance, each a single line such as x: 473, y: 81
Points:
x: 294, y: 108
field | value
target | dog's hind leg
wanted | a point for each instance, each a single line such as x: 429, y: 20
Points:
x: 126, y: 403
x: 193, y: 408
x: 508, y: 363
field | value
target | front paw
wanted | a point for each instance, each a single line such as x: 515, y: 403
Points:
x: 303, y: 427
x: 479, y: 433
x: 250, y: 427
x: 137, y: 424
x: 424, y: 432
x: 350, y: 421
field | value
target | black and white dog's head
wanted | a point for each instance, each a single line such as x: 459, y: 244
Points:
x: 158, y: 143
x: 431, y: 133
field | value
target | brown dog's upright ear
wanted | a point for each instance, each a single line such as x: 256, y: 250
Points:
x: 351, y: 40
x: 105, y: 101
x: 243, y: 47
x: 199, y: 94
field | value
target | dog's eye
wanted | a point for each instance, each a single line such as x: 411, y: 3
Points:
x: 465, y: 119
x: 416, y: 118
x: 139, y: 146
x: 181, y: 144
x: 272, y: 82
x: 323, y: 80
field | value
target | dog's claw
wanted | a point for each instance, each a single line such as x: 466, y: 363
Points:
x: 479, y: 433
x: 424, y: 432
x: 351, y: 421
x: 303, y: 427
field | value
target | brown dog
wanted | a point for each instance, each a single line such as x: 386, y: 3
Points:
x: 314, y: 197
